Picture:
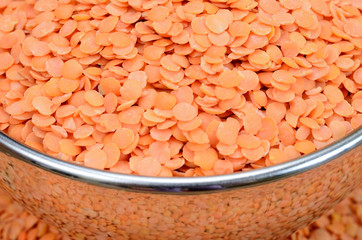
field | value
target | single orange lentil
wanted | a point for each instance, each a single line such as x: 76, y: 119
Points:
x: 198, y: 136
x: 333, y: 94
x: 283, y: 76
x: 131, y: 90
x: 68, y: 28
x: 64, y: 11
x: 286, y: 134
x: 248, y: 141
x: 184, y: 111
x: 148, y: 166
x: 83, y: 131
x: 160, y: 134
x: 298, y: 106
x: 190, y: 125
x: 227, y: 132
x: 123, y: 137
x: 6, y: 60
x: 249, y: 81
x: 119, y: 39
x: 110, y: 85
x: 110, y: 102
x: 322, y: 134
x: 54, y: 66
x: 304, y: 19
x: 43, y: 105
x: 38, y: 48
x: 42, y: 121
x: 72, y: 69
x: 260, y: 28
x: 131, y: 115
x: 153, y: 52
x: 206, y: 159
x: 65, y: 111
x: 43, y: 29
x: 239, y: 29
x: 230, y: 78
x: 216, y: 23
x: 252, y: 123
x: 45, y: 5
x: 67, y: 147
x: 259, y: 57
x: 95, y: 158
x: 357, y: 76
x: 276, y: 110
x: 253, y: 154
x: 158, y: 13
x: 165, y: 101
x: 68, y: 85
x: 198, y: 25
x: 344, y: 109
x: 304, y: 146
x: 195, y: 7
x: 110, y: 121
x: 113, y: 154
x: 94, y: 98
x: 223, y: 167
x: 108, y: 24
x: 277, y: 156
x: 224, y: 93
x: 309, y: 122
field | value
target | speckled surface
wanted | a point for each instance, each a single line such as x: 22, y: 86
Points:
x: 271, y: 211
x: 344, y: 221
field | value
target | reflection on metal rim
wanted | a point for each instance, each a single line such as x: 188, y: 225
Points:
x: 179, y: 185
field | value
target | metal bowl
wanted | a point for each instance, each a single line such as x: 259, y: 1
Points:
x: 268, y: 203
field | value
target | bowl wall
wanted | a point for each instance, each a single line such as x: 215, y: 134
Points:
x: 268, y: 211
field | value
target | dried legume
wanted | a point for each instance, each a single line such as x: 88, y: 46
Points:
x: 180, y: 88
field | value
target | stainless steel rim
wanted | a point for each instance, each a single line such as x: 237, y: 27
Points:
x: 178, y: 185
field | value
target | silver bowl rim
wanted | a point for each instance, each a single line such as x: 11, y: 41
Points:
x: 181, y: 185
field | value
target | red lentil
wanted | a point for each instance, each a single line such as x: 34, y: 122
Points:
x: 210, y: 82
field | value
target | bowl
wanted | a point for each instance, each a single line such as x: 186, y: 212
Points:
x: 267, y: 203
